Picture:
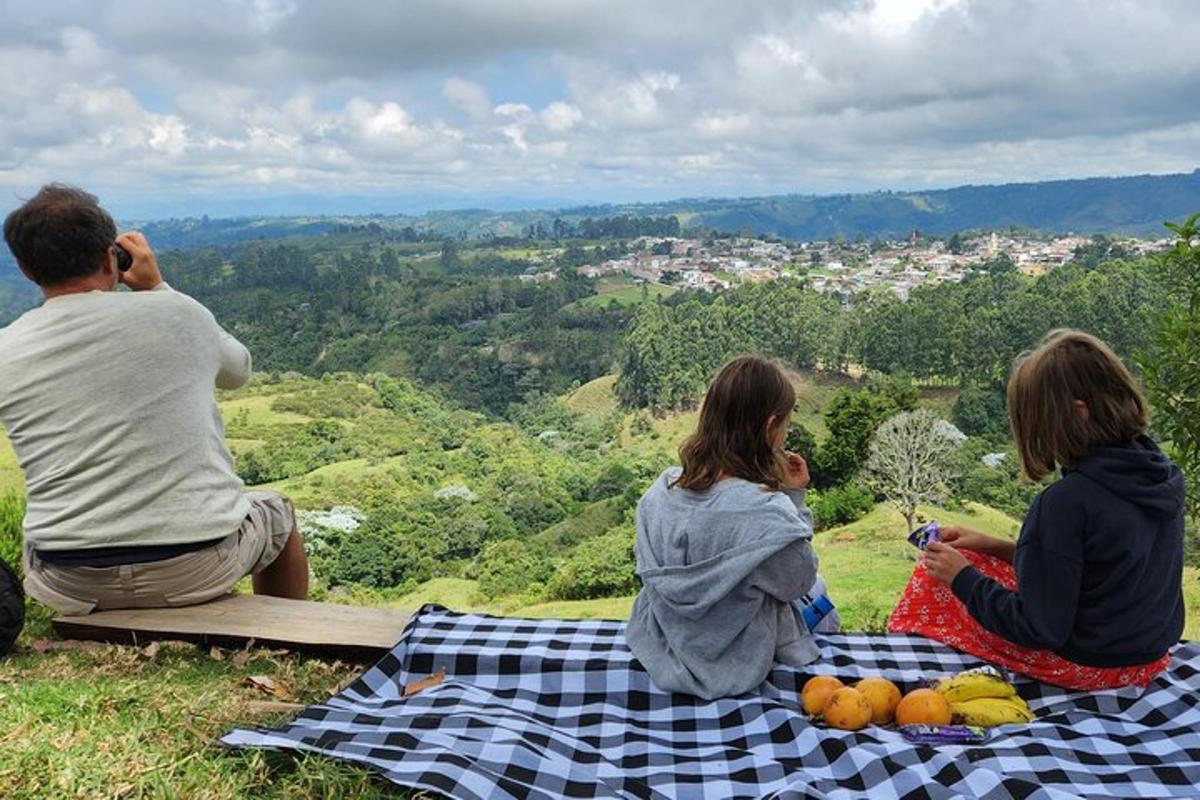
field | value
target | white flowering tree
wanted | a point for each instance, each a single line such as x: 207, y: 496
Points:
x: 912, y: 459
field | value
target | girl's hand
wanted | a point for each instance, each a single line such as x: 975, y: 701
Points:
x: 943, y: 562
x: 967, y: 539
x: 964, y: 538
x: 797, y: 467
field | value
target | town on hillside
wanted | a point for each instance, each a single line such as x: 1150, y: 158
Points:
x: 838, y: 266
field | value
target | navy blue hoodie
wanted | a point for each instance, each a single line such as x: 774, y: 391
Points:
x: 1099, y: 563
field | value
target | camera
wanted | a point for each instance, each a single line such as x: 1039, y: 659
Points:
x: 124, y: 260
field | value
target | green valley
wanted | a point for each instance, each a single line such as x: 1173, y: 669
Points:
x: 457, y: 428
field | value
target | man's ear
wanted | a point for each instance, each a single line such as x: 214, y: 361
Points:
x: 1081, y: 409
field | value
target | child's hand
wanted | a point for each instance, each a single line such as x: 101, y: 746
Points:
x: 943, y: 562
x: 964, y: 538
x: 798, y: 477
x: 967, y: 539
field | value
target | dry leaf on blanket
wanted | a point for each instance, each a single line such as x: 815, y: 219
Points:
x: 425, y: 683
x: 269, y: 685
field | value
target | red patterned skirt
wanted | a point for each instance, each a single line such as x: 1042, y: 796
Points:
x: 930, y: 609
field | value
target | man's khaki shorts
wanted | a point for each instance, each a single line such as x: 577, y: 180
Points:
x: 180, y: 581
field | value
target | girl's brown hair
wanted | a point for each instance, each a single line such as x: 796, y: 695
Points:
x: 1069, y: 366
x: 731, y: 438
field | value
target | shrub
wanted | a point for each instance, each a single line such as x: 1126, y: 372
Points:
x: 992, y: 477
x: 379, y: 558
x: 509, y: 567
x: 1170, y: 368
x: 980, y: 411
x: 612, y: 481
x: 600, y: 567
x: 801, y: 440
x: 839, y: 505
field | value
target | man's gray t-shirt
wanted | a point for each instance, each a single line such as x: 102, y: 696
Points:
x: 108, y: 399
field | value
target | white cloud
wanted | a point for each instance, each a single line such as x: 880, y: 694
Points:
x: 724, y: 126
x: 560, y: 117
x: 469, y: 97
x: 627, y: 103
x: 152, y: 98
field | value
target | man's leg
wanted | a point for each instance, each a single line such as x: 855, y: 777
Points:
x: 287, y: 575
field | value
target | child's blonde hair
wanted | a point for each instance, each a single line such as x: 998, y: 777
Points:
x: 1069, y: 366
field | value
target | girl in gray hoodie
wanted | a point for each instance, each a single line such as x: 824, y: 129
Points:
x: 724, y: 546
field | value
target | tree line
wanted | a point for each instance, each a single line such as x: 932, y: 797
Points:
x: 963, y: 334
x: 455, y: 318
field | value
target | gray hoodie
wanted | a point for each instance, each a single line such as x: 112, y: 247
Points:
x: 720, y: 569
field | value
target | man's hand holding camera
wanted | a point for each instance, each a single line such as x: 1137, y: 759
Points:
x: 143, y: 272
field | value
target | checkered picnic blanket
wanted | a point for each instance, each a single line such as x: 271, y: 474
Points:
x: 554, y: 708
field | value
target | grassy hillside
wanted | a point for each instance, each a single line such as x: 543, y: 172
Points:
x: 624, y: 291
x: 124, y: 722
x: 814, y: 392
x: 866, y: 565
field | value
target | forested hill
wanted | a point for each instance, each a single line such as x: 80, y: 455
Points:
x: 1134, y: 205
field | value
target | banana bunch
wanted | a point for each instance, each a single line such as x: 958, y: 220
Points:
x: 974, y: 684
x: 984, y: 698
x: 989, y: 712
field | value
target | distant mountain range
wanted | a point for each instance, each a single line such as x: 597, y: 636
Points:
x: 1135, y: 205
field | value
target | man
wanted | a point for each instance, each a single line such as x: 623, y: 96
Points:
x: 108, y: 398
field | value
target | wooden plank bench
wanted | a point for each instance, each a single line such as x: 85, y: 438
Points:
x: 350, y: 632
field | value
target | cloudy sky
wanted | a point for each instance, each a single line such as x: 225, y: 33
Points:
x: 166, y: 107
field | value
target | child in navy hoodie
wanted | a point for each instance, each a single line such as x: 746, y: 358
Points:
x: 1099, y: 561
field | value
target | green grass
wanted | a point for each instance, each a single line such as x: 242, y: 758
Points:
x: 258, y: 411
x: 867, y: 564
x: 603, y: 608
x: 625, y: 291
x: 11, y: 478
x: 597, y: 397
x: 112, y: 723
x: 523, y: 253
x: 459, y: 594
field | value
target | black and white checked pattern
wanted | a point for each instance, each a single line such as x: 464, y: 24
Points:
x: 553, y: 708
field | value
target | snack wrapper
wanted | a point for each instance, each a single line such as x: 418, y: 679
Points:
x: 944, y: 734
x: 922, y: 536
